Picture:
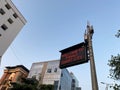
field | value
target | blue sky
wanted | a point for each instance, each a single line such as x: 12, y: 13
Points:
x: 53, y: 25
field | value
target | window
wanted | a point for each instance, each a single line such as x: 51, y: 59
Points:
x: 2, y: 11
x: 7, y: 6
x: 4, y: 27
x: 60, y: 87
x: 61, y: 74
x: 49, y: 70
x: 34, y: 76
x: 55, y: 70
x: 73, y: 80
x: 10, y: 20
x: 15, y: 15
x: 56, y: 85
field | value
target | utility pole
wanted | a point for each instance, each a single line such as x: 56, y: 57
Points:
x: 88, y: 40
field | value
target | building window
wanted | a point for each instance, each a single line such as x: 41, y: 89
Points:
x: 15, y: 15
x: 73, y: 80
x: 10, y: 20
x: 56, y: 85
x: 2, y: 11
x: 4, y: 27
x: 49, y: 70
x: 34, y: 76
x: 61, y: 74
x: 60, y: 87
x: 7, y: 6
x: 55, y: 70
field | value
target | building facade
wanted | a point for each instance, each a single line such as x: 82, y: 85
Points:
x: 11, y: 22
x: 13, y: 75
x: 65, y: 80
x: 75, y: 83
x: 48, y: 72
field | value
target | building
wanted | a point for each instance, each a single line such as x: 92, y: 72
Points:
x: 11, y: 22
x: 48, y: 72
x: 65, y: 80
x: 13, y: 75
x: 68, y: 81
x: 75, y: 83
x: 78, y: 88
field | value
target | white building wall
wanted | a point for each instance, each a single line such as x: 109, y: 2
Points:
x: 76, y: 80
x: 36, y: 70
x: 49, y: 77
x: 9, y: 34
x: 55, y: 73
x: 52, y: 73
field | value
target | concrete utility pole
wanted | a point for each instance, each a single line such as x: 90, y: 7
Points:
x: 88, y: 40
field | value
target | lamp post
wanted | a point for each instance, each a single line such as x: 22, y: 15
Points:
x: 107, y: 85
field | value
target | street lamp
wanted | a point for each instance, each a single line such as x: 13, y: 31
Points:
x: 107, y: 85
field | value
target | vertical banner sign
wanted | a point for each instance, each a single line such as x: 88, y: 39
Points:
x: 74, y: 55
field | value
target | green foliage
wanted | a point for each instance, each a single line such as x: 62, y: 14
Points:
x: 46, y: 87
x: 23, y: 87
x: 31, y: 84
x: 27, y: 84
x: 31, y: 81
x: 118, y: 34
x: 114, y: 64
x: 116, y: 87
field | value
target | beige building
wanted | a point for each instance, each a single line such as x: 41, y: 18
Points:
x: 13, y: 75
x: 11, y: 22
x: 48, y: 72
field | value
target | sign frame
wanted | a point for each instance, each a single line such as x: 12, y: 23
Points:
x: 74, y: 55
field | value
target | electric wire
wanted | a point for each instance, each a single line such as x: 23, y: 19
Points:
x: 14, y: 53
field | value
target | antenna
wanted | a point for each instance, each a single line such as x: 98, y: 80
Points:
x: 88, y: 23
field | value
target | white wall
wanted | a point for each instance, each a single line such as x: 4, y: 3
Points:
x: 49, y: 78
x: 8, y: 35
x: 35, y: 70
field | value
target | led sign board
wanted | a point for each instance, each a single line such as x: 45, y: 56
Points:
x: 74, y: 55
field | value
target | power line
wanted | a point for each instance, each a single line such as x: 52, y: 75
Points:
x: 14, y: 53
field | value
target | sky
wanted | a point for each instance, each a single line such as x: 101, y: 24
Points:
x: 53, y: 25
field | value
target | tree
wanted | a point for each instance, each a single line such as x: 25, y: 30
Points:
x: 26, y: 84
x: 31, y: 84
x: 114, y: 64
x: 46, y: 87
x: 118, y: 34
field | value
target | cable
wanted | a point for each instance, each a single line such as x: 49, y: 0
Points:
x: 14, y: 53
